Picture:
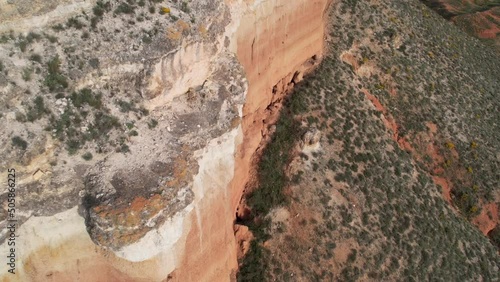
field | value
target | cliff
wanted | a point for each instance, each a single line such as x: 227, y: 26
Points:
x: 141, y: 144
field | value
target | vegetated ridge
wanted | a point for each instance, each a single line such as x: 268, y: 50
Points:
x: 384, y: 164
x: 478, y: 18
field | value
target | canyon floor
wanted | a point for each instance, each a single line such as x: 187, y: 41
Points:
x: 384, y: 164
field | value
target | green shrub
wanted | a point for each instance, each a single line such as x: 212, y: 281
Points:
x: 104, y: 123
x: 58, y: 27
x: 94, y: 63
x: 86, y: 96
x: 56, y: 82
x: 124, y: 8
x: 99, y: 10
x: 152, y: 124
x: 254, y: 264
x: 54, y: 79
x: 36, y: 111
x: 19, y: 142
x: 23, y: 44
x: 125, y: 106
x: 73, y: 145
x: 32, y: 36
x: 143, y: 111
x: 36, y: 58
x: 20, y: 117
x: 51, y: 38
x: 75, y: 23
x: 123, y: 149
x: 185, y: 8
x: 494, y: 236
x: 146, y: 39
x: 54, y: 65
x: 87, y: 156
x: 4, y: 39
x: 27, y: 74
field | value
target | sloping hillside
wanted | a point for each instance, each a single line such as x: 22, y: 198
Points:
x: 478, y: 18
x: 384, y: 165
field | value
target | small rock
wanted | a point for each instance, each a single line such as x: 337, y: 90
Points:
x: 311, y: 137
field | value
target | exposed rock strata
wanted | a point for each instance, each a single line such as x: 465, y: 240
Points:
x: 166, y: 211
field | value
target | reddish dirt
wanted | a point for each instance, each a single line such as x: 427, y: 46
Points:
x: 445, y: 185
x: 431, y: 148
x: 130, y: 216
x: 487, y: 220
x: 389, y: 122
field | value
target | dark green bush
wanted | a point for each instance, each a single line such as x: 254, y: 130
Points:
x: 27, y: 74
x: 94, y: 63
x: 38, y: 109
x: 74, y: 23
x: 36, y: 58
x: 152, y: 124
x: 58, y: 27
x: 32, y: 36
x: 125, y: 106
x: 87, y: 156
x: 124, y: 8
x: 54, y: 79
x: 19, y: 142
x: 86, y: 97
x: 185, y: 8
x: 254, y: 264
x: 52, y: 39
x: 73, y: 145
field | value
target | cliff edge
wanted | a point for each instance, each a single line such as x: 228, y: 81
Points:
x: 132, y: 127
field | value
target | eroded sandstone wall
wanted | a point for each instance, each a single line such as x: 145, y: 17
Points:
x: 277, y: 42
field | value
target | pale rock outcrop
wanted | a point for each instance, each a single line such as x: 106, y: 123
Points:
x: 23, y: 15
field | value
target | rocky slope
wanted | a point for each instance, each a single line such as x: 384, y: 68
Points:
x: 384, y: 165
x: 132, y: 126
x: 478, y: 18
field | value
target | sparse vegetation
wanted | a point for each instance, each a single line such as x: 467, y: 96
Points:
x: 99, y: 10
x: 74, y: 23
x: 368, y: 169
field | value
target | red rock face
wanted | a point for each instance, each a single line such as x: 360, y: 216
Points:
x: 478, y: 18
x: 274, y: 46
x: 275, y: 49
